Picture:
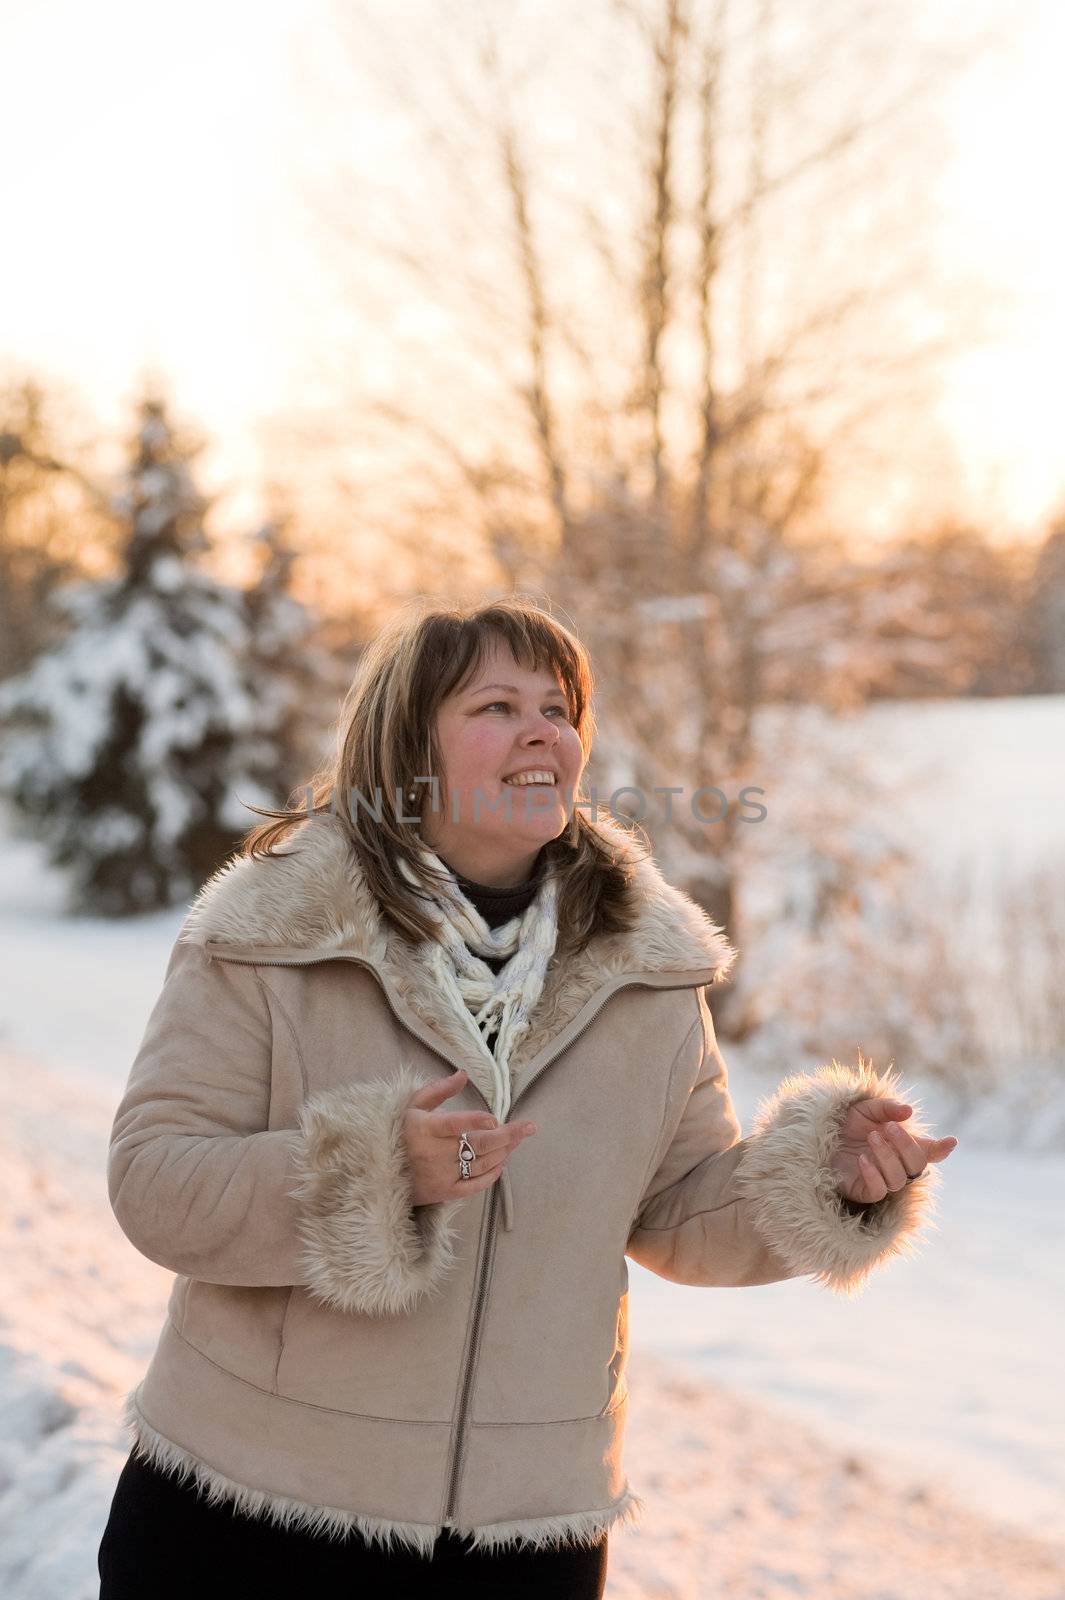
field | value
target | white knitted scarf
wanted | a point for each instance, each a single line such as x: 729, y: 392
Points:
x: 478, y: 994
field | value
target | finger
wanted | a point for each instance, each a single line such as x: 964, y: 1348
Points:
x: 449, y: 1124
x: 462, y: 1188
x: 510, y: 1136
x: 498, y: 1145
x: 479, y: 1166
x: 506, y: 1140
x: 909, y: 1150
x: 433, y: 1094
x: 872, y: 1177
x: 890, y: 1167
x: 941, y: 1148
x: 490, y: 1161
x: 886, y: 1110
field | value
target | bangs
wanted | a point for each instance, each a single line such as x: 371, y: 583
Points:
x: 455, y: 649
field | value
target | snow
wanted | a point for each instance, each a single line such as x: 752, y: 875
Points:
x: 948, y: 1365
x: 786, y: 1442
x: 982, y: 783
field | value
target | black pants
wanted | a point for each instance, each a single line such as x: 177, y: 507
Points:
x: 163, y: 1539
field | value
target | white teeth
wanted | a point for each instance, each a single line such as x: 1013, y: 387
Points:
x: 524, y: 778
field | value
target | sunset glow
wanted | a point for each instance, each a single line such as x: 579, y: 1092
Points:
x: 156, y: 224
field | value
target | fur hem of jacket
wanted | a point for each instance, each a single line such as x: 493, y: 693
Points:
x: 538, y: 1533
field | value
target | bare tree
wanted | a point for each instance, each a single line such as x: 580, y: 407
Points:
x: 53, y: 521
x: 686, y: 275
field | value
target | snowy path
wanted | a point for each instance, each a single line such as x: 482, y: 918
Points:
x: 950, y: 1361
x: 743, y: 1503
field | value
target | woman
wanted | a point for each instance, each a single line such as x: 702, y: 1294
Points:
x: 417, y: 1083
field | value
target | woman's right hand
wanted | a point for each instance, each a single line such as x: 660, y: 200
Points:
x: 432, y: 1141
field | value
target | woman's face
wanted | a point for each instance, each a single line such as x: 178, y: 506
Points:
x: 505, y: 720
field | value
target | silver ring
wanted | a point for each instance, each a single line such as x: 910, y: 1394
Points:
x: 466, y: 1154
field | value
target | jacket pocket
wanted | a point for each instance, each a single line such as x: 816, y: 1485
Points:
x: 404, y: 1368
x: 239, y: 1329
x: 281, y: 1338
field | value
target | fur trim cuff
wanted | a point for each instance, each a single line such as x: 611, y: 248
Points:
x: 786, y: 1177
x: 366, y: 1248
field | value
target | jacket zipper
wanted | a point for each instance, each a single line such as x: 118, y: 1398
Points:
x: 458, y: 1451
x: 481, y: 1298
x: 459, y: 1440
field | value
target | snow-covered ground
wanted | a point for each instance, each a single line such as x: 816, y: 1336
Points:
x: 787, y: 1442
x: 948, y: 1364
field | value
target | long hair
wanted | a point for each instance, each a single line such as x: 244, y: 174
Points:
x: 385, y: 741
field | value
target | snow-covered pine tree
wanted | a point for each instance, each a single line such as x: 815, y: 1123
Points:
x: 131, y: 745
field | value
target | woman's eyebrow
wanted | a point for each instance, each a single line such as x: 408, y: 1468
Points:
x: 512, y: 689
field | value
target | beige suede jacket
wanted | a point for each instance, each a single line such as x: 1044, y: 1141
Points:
x: 335, y: 1359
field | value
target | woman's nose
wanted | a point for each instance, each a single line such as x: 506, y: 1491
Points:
x: 540, y: 733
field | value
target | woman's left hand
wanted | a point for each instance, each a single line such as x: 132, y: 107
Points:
x: 875, y: 1155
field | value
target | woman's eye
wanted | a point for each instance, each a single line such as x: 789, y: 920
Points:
x: 506, y: 703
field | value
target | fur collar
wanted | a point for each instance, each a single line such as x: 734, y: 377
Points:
x: 314, y: 899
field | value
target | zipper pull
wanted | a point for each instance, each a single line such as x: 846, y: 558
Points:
x: 508, y: 1200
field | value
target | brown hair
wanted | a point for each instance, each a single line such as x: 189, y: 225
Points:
x: 384, y: 740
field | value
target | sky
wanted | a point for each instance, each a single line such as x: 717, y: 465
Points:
x: 154, y: 203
